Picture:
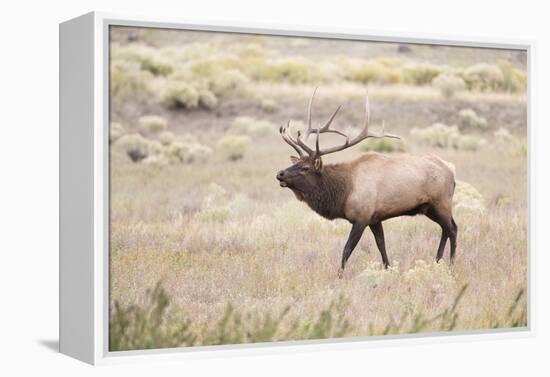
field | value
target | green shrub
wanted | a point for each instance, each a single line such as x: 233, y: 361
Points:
x: 484, y: 77
x: 470, y: 120
x: 152, y: 324
x: 146, y: 327
x: 152, y: 123
x: 383, y: 145
x: 331, y: 323
x: 420, y: 73
x: 233, y: 147
x: 448, y: 84
x: 116, y: 131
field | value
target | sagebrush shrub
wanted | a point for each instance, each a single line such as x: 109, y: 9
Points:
x: 437, y: 135
x: 229, y: 82
x: 152, y: 123
x: 128, y: 79
x: 135, y: 146
x: 207, y: 99
x: 369, y: 71
x: 269, y: 105
x: 514, y: 80
x: 469, y: 119
x: 116, y: 131
x: 484, y: 77
x: 166, y: 138
x: 180, y: 94
x: 253, y: 127
x: 290, y: 69
x: 467, y: 142
x: 186, y: 152
x: 197, y: 153
x: 233, y: 147
x: 420, y: 73
x: 448, y: 84
x: 502, y: 134
x: 467, y: 198
x: 442, y: 136
x: 149, y: 58
x: 383, y: 145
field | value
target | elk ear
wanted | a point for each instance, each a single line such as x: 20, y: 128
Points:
x: 294, y: 159
x: 318, y: 164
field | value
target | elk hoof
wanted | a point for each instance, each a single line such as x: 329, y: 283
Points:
x: 340, y: 273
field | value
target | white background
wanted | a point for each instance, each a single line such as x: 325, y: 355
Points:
x: 29, y: 183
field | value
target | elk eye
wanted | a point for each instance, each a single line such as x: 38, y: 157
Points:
x: 305, y: 168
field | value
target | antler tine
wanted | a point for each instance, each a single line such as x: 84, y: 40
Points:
x: 309, y: 129
x: 317, y: 144
x: 326, y: 127
x: 303, y: 145
x: 288, y: 139
x: 384, y: 134
x: 364, y: 134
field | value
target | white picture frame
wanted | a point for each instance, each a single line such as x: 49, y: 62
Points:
x: 84, y: 183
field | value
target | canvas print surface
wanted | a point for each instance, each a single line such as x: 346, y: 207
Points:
x: 267, y: 188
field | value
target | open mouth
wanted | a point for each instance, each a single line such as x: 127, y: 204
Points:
x: 283, y: 184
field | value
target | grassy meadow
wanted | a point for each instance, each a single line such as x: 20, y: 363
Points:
x: 206, y: 248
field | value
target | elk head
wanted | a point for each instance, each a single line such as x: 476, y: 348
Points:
x: 305, y: 173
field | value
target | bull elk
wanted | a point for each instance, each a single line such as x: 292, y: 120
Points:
x: 371, y: 188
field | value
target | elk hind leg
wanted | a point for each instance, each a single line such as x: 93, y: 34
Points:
x: 446, y: 223
x: 378, y: 232
x: 452, y: 235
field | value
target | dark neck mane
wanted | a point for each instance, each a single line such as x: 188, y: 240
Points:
x: 329, y: 197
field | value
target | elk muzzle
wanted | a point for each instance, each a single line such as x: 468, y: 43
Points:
x: 281, y: 178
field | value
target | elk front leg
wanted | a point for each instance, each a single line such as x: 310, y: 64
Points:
x: 354, y: 237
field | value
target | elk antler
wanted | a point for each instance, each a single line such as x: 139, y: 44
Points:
x: 299, y: 143
x: 326, y: 127
x: 288, y: 139
x: 364, y: 134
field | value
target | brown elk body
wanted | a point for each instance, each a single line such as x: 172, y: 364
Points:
x: 371, y: 188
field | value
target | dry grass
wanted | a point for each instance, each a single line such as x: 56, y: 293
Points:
x: 223, y: 232
x: 256, y: 247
